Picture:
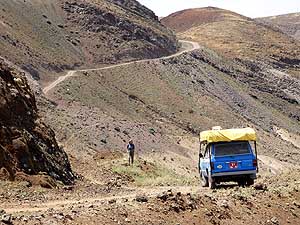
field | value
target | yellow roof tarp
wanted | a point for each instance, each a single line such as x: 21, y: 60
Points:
x: 244, y: 134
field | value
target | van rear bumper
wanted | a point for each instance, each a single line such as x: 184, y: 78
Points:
x: 251, y: 173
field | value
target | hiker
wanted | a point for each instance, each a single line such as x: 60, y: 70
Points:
x: 130, y: 149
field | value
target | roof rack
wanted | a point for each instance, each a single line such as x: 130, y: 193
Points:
x: 228, y: 135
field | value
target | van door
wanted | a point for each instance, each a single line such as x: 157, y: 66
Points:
x: 205, y: 162
x: 233, y: 156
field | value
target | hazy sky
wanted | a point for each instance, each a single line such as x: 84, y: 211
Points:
x: 250, y: 8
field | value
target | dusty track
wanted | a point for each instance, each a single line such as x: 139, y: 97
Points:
x: 188, y: 46
x: 62, y: 204
x: 275, y: 166
x: 128, y: 194
x: 289, y: 137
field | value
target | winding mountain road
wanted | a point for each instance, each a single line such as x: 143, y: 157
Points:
x: 187, y: 46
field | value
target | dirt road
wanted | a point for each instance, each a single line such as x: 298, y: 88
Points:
x: 275, y: 166
x: 287, y: 136
x: 100, y: 200
x: 128, y: 194
x: 187, y: 46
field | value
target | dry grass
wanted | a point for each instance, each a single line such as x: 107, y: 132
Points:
x: 149, y: 174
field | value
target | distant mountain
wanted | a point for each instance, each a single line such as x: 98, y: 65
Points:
x: 46, y: 37
x: 288, y: 23
x: 186, y: 19
x: 236, y: 36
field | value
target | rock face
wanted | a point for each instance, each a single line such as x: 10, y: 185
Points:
x: 116, y: 29
x: 135, y: 7
x: 27, y: 145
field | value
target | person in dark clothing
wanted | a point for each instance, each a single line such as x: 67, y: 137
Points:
x: 130, y: 149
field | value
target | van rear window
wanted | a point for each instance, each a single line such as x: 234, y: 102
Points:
x: 232, y: 148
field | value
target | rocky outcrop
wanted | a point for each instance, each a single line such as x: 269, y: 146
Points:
x: 122, y: 36
x: 136, y: 7
x: 27, y: 145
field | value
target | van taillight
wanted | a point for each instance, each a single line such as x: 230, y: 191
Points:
x: 254, y: 162
x: 212, y: 166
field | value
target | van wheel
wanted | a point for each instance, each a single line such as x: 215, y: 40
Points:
x: 204, y: 180
x: 249, y: 182
x: 241, y: 183
x: 211, y: 182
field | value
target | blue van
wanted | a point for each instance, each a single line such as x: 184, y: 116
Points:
x: 227, y: 155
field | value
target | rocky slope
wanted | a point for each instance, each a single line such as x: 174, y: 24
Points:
x: 27, y: 145
x: 47, y: 37
x: 236, y: 36
x: 288, y: 23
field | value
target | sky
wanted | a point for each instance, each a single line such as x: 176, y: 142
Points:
x: 250, y: 8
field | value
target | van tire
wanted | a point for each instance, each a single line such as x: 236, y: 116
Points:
x: 249, y: 182
x: 211, y: 182
x: 242, y: 183
x: 204, y: 180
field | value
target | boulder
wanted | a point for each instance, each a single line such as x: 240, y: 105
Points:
x: 141, y: 198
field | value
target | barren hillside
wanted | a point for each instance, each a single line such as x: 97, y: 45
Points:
x: 236, y: 36
x: 48, y: 37
x: 289, y: 23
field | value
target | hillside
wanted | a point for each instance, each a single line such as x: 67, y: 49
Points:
x: 27, y: 145
x: 237, y: 37
x: 288, y: 23
x: 48, y: 37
